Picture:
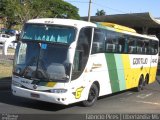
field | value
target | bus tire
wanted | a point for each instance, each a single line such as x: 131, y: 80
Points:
x: 146, y: 81
x: 92, y: 96
x: 140, y: 84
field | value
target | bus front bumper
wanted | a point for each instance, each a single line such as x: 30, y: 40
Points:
x: 58, y: 98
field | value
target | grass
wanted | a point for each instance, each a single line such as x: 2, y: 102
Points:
x: 6, y: 65
x: 5, y: 69
x: 10, y: 50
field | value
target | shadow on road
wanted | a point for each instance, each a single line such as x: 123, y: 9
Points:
x: 7, y: 98
x: 5, y: 83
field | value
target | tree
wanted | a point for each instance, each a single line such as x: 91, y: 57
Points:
x: 100, y: 13
x: 17, y: 12
x: 2, y: 9
x: 62, y: 9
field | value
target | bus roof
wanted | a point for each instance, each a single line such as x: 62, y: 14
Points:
x: 66, y: 22
x: 79, y: 24
x: 123, y: 29
x: 118, y: 27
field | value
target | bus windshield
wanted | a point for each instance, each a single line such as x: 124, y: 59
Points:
x: 41, y: 61
x: 50, y: 33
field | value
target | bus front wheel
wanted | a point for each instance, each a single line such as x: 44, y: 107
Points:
x: 92, y: 96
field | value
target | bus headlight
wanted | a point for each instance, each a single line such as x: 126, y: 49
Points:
x: 58, y: 90
x: 16, y: 83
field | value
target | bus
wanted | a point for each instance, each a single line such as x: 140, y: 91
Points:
x: 64, y: 61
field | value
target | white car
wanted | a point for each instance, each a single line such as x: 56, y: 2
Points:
x: 4, y: 37
x: 8, y: 40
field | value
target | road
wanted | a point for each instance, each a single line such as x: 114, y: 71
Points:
x: 146, y: 101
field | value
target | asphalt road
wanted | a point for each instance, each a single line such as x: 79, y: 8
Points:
x: 146, y: 101
x: 126, y: 102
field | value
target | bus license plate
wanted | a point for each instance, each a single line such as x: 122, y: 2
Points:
x: 35, y: 95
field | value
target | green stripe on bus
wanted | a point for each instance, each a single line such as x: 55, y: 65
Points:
x: 112, y: 72
x: 120, y: 71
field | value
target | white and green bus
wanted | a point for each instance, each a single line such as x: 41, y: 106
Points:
x: 65, y: 61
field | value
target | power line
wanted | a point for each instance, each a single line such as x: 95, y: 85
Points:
x: 104, y: 6
x: 76, y: 1
x: 117, y: 10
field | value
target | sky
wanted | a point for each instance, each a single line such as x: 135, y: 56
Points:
x: 118, y: 6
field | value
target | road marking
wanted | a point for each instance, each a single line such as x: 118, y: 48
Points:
x: 122, y: 99
x: 152, y: 103
x: 144, y: 95
x: 129, y: 93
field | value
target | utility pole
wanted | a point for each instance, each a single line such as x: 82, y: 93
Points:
x: 89, y: 10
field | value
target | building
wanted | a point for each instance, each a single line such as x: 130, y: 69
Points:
x: 143, y: 23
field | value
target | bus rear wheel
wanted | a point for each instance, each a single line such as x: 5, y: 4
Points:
x: 92, y: 96
x: 146, y: 81
x: 140, y: 84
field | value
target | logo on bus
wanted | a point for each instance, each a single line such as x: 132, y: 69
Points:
x: 137, y: 61
x: 78, y: 92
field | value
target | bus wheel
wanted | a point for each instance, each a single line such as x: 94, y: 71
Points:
x: 92, y: 97
x: 146, y: 81
x: 140, y: 84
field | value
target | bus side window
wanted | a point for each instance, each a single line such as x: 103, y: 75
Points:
x: 82, y: 52
x: 98, y: 41
x: 110, y: 47
x: 111, y: 44
x: 121, y: 47
x: 140, y: 45
x: 154, y: 47
x: 131, y: 45
x: 145, y: 47
x: 132, y: 49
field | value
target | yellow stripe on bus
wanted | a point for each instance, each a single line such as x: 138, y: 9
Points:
x: 152, y: 74
x: 50, y: 84
x: 127, y: 72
